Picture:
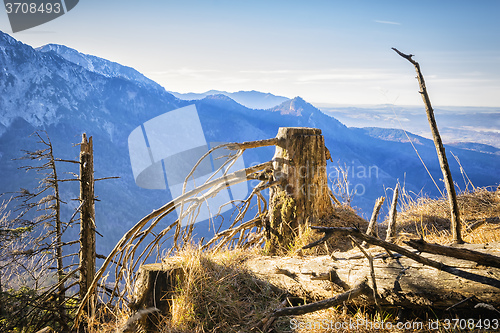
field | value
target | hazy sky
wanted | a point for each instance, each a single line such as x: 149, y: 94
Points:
x: 324, y: 51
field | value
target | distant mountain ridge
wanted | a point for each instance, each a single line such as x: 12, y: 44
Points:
x: 99, y: 65
x: 393, y: 134
x: 251, y: 99
x: 399, y: 135
x: 474, y: 146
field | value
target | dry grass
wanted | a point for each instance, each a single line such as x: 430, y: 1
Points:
x: 343, y: 320
x: 430, y: 219
x: 343, y: 216
x: 340, y: 319
x: 106, y: 320
x: 218, y: 294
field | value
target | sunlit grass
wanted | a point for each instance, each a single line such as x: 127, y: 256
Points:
x: 430, y: 218
x: 219, y: 294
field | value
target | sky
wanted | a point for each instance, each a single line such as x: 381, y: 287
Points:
x: 335, y: 52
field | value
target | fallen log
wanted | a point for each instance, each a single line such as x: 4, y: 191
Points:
x: 401, y: 282
x: 330, y: 231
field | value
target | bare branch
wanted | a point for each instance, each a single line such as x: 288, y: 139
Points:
x: 372, y: 269
x: 360, y: 289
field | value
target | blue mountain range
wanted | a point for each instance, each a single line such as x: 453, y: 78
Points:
x: 67, y: 93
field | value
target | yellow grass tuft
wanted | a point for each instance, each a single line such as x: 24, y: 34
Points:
x: 218, y: 294
x: 430, y: 218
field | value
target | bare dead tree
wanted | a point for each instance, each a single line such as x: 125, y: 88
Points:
x: 87, y: 253
x: 448, y: 181
x: 49, y: 201
x: 40, y: 249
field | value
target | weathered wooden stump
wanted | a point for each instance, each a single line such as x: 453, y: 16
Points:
x: 155, y: 288
x: 302, y: 196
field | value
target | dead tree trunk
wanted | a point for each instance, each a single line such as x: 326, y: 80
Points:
x: 391, y: 229
x: 372, y: 226
x: 87, y: 223
x: 58, y: 236
x: 302, y: 196
x: 443, y: 162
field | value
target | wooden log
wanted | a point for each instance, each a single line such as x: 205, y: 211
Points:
x: 329, y: 231
x: 401, y: 281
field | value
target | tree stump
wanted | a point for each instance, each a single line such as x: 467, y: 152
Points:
x: 301, y: 198
x: 154, y: 288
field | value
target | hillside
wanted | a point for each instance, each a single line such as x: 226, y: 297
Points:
x: 251, y: 284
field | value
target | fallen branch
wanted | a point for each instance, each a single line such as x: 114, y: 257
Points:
x: 267, y: 321
x: 372, y: 269
x: 466, y: 254
x: 360, y: 289
x: 477, y: 223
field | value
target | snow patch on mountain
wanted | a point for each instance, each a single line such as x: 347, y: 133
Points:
x: 99, y: 65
